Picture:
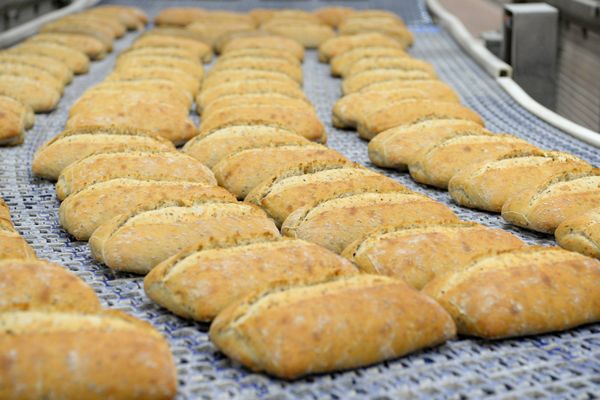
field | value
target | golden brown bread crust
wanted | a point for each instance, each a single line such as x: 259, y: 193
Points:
x: 202, y: 51
x: 392, y: 63
x: 36, y: 285
x: 357, y: 82
x: 154, y: 85
x: 88, y: 45
x: 96, y: 30
x: 335, y: 223
x: 164, y: 51
x: 81, y: 213
x: 12, y: 123
x: 41, y: 97
x: 144, y: 90
x: 581, y: 233
x: 489, y: 184
x: 417, y: 253
x: 307, y: 34
x: 545, y: 207
x: 332, y: 16
x: 341, y: 44
x: 210, y: 265
x: 180, y: 16
x: 77, y: 61
x: 55, y: 67
x: 260, y: 52
x: 104, y: 356
x: 268, y: 42
x: 35, y: 73
x: 139, y: 241
x: 159, y: 166
x: 436, y: 165
x: 391, y: 27
x: 15, y: 106
x: 521, y: 292
x: 236, y: 75
x: 341, y: 63
x: 132, y: 18
x: 149, y: 61
x: 293, y: 331
x: 283, y: 66
x: 258, y: 99
x: 210, y: 30
x: 189, y: 84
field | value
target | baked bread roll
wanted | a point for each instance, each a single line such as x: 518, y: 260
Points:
x: 341, y: 63
x: 581, y: 233
x: 310, y: 35
x: 12, y: 245
x: 132, y: 17
x: 225, y: 38
x: 180, y: 16
x: 108, y: 355
x: 332, y: 16
x: 53, y: 66
x: 15, y: 106
x: 210, y: 30
x: 132, y: 60
x: 164, y: 90
x: 392, y: 28
x: 88, y: 45
x: 261, y: 52
x: 83, y: 212
x: 314, y: 182
x: 431, y: 86
x: 545, y: 207
x: 77, y: 61
x: 266, y: 42
x: 36, y: 285
x: 357, y: 82
x: 13, y: 119
x: 238, y: 75
x: 400, y: 146
x: 268, y: 100
x: 294, y: 71
x: 211, y: 265
x: 111, y: 24
x: 488, y: 185
x: 202, y: 51
x: 94, y: 29
x: 395, y: 63
x: 165, y: 51
x: 73, y: 145
x: 436, y: 165
x: 301, y: 120
x: 186, y: 82
x: 156, y: 166
x: 211, y: 148
x: 335, y: 223
x: 341, y: 44
x: 324, y: 331
x: 419, y: 252
x: 409, y: 112
x: 241, y: 172
x: 31, y: 72
x: 555, y: 290
x: 177, y: 32
x: 40, y: 96
x: 138, y: 241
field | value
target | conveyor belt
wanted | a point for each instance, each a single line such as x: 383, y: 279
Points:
x: 565, y: 365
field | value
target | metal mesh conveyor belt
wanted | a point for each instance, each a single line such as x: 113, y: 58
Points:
x: 565, y: 365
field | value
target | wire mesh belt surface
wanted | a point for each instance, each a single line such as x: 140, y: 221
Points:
x: 557, y: 365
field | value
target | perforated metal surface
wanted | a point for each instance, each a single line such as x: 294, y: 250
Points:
x: 565, y: 365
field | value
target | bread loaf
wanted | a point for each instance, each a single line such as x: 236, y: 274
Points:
x: 201, y: 51
x: 179, y: 16
x: 260, y: 100
x: 153, y: 86
x: 332, y: 16
x: 309, y: 35
x: 183, y: 65
x: 34, y: 73
x: 17, y: 107
x: 581, y: 233
x: 341, y: 63
x: 12, y: 123
x: 391, y: 27
x: 188, y: 83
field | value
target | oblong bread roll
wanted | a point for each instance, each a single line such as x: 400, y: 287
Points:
x: 77, y: 61
x: 341, y: 63
x: 184, y: 81
x: 260, y: 52
x: 333, y: 15
x: 258, y: 63
x: 355, y: 83
x: 556, y: 290
x: 392, y: 63
x: 324, y: 331
x: 115, y: 356
x: 83, y: 212
x: 157, y: 166
x: 88, y: 45
x: 546, y: 206
x: 392, y: 28
x: 267, y: 42
x: 241, y: 172
x: 13, y: 120
x: 581, y: 233
x: 437, y: 165
x: 211, y: 265
x: 40, y: 96
x: 417, y: 253
x: 341, y: 44
x: 487, y: 185
x: 164, y: 51
x: 36, y: 285
x: 258, y: 99
x: 95, y: 30
x: 73, y: 145
x: 55, y: 67
x: 139, y: 241
x: 180, y: 16
x: 17, y: 107
x: 212, y: 148
x: 335, y: 223
x: 202, y: 51
x: 237, y: 75
x: 126, y: 61
x: 13, y: 245
x: 309, y: 35
x: 31, y: 72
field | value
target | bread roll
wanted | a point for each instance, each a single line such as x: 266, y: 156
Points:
x: 202, y: 51
x: 165, y: 51
x: 157, y: 166
x: 521, y: 292
x: 81, y: 213
x: 392, y: 63
x: 88, y: 45
x: 436, y: 165
x: 155, y: 85
x: 138, y: 241
x: 40, y: 96
x: 260, y: 52
x: 189, y: 84
x: 211, y: 266
x: 13, y: 245
x: 410, y: 112
x: 419, y: 252
x: 4, y: 211
x: 332, y: 16
x: 400, y: 146
x: 257, y: 100
x: 432, y: 86
x: 357, y: 82
x: 77, y: 61
x: 97, y: 30
x: 335, y: 223
x: 545, y: 207
x: 177, y: 32
x: 57, y: 68
x: 133, y: 18
x: 390, y: 27
x: 133, y: 60
x: 34, y: 73
x: 258, y: 63
x: 313, y: 182
x: 488, y: 185
x: 581, y: 233
x: 111, y: 24
x: 63, y: 355
x: 180, y: 16
x: 238, y: 75
x: 309, y: 35
x: 73, y: 145
x: 35, y: 285
x: 17, y: 107
x: 266, y: 42
x: 341, y: 63
x: 341, y: 44
x: 241, y: 172
x: 212, y: 148
x: 12, y: 123
x: 311, y: 328
x: 211, y: 29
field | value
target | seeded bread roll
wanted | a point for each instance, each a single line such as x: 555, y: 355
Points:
x: 13, y: 245
x: 488, y: 185
x: 555, y: 290
x: 335, y: 223
x: 239, y: 75
x: 132, y: 60
x: 165, y: 51
x: 417, y: 253
x: 111, y: 24
x: 210, y: 30
x: 57, y: 68
x: 83, y: 212
x: 138, y: 241
x: 108, y: 355
x: 332, y: 16
x: 392, y: 28
x: 409, y: 112
x: 261, y: 52
x: 392, y: 63
x: 88, y: 45
x: 301, y: 120
x: 357, y: 82
x: 546, y: 206
x: 581, y: 233
x: 13, y: 121
x: 266, y: 42
x: 211, y: 265
x: 157, y: 166
x: 435, y: 166
x: 294, y: 71
x: 341, y: 44
x: 241, y: 172
x: 429, y: 85
x: 212, y: 148
x: 343, y: 62
x: 261, y: 100
x: 400, y: 146
x: 96, y: 30
x: 313, y: 182
x: 311, y: 328
x: 309, y: 35
x: 40, y: 96
x: 180, y: 16
x: 73, y: 145
x: 34, y: 73
x: 17, y: 107
x: 201, y: 51
x: 132, y: 17
x: 77, y: 61
x: 173, y: 92
x: 36, y: 285
x: 188, y: 83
